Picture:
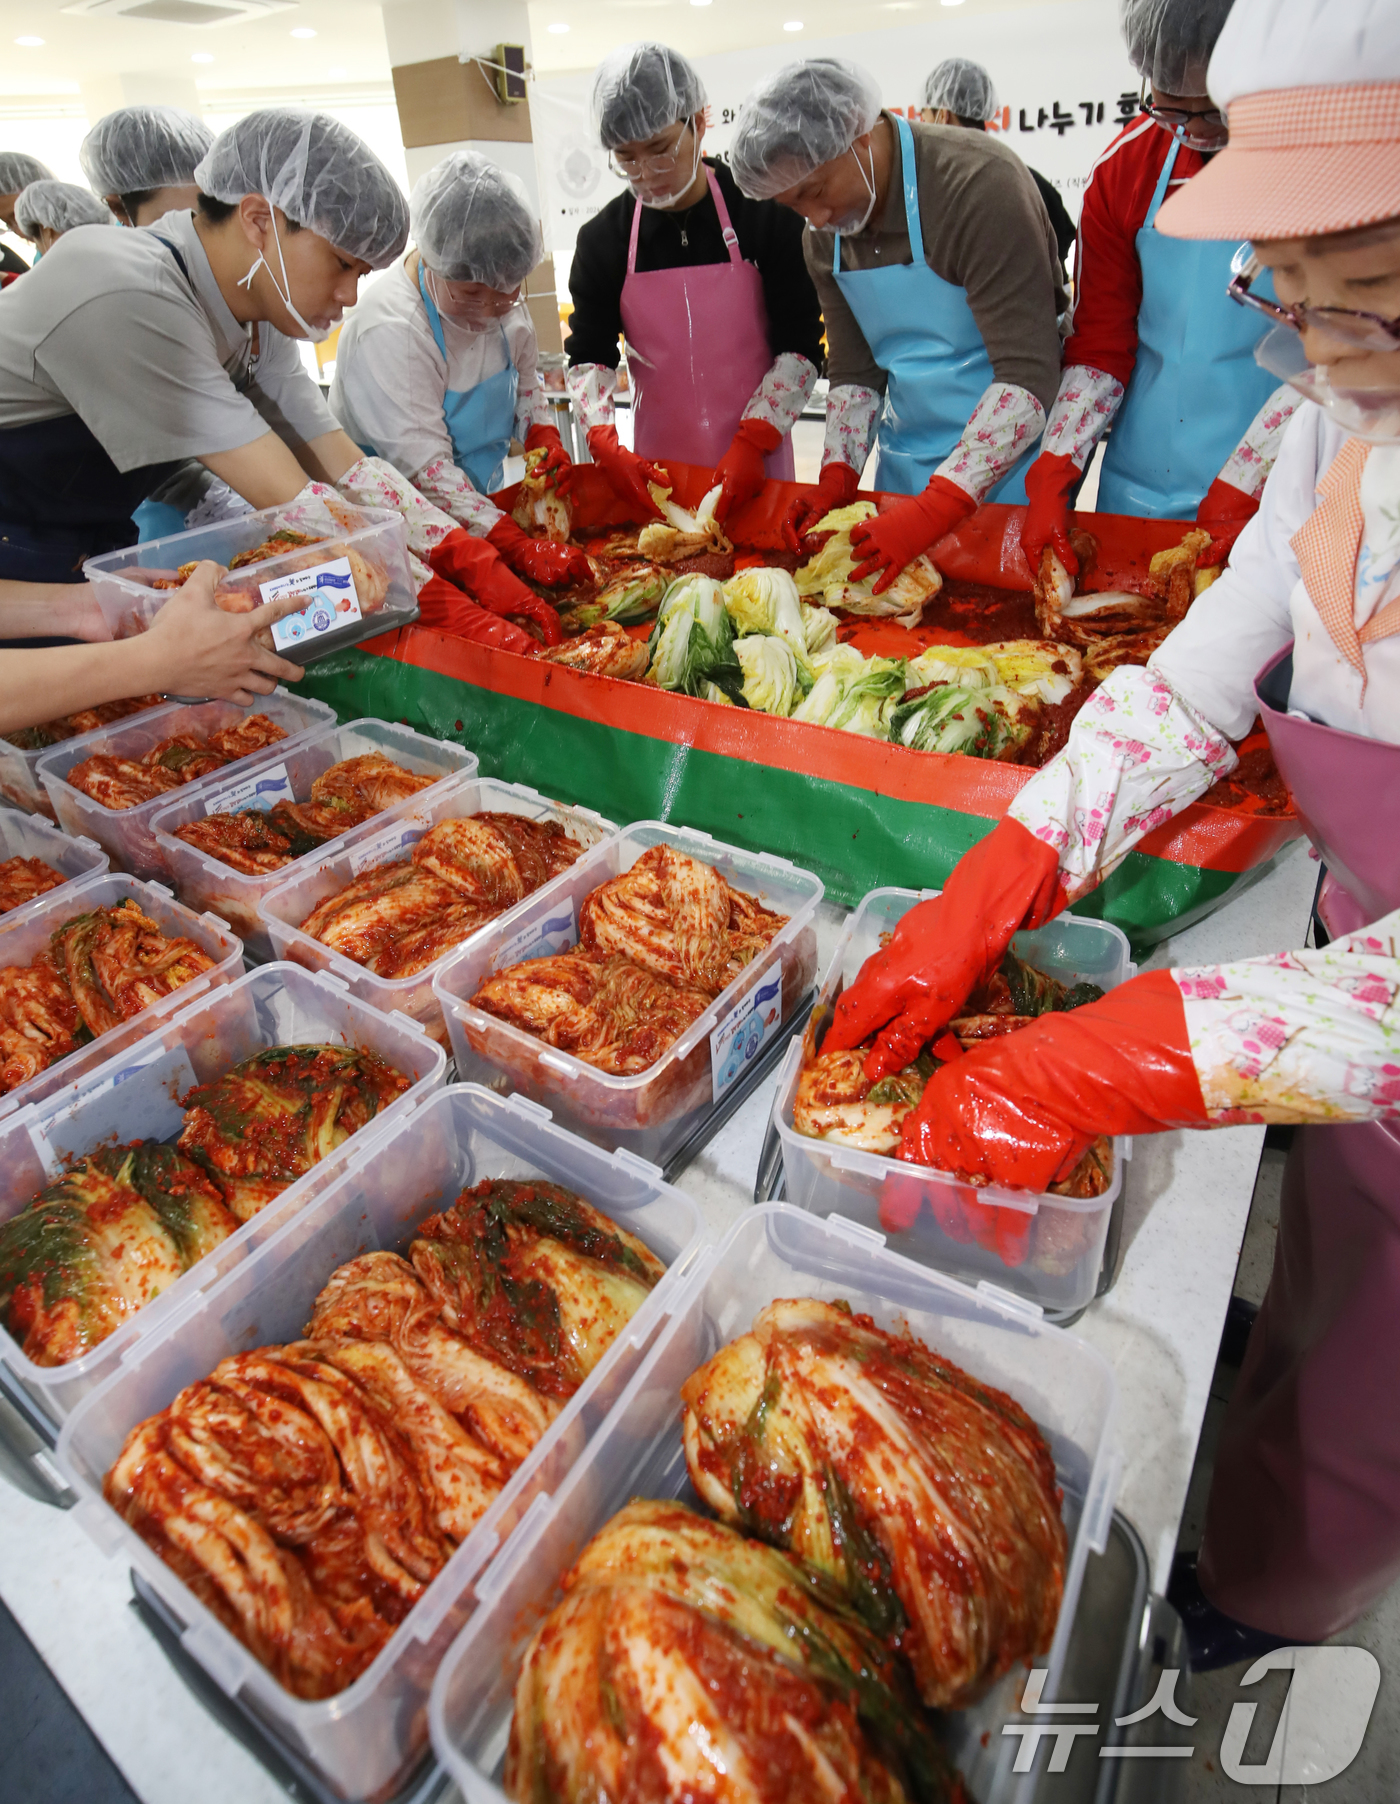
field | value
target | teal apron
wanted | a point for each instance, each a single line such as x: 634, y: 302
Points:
x: 480, y: 420
x: 921, y: 331
x: 1195, y: 386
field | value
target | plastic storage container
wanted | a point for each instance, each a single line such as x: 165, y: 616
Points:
x: 973, y: 1232
x: 133, y: 1097
x: 777, y: 1251
x: 19, y: 771
x: 286, y: 907
x: 29, y: 933
x: 362, y: 558
x: 655, y: 1112
x: 126, y: 832
x: 204, y: 881
x: 364, y: 1742
x: 28, y: 836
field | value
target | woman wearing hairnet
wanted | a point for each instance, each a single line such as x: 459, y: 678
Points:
x: 435, y: 369
x: 129, y: 352
x: 960, y: 92
x: 1302, y: 1529
x: 722, y: 323
x: 141, y: 161
x: 17, y: 171
x: 1157, y: 351
x: 937, y: 272
x: 44, y: 211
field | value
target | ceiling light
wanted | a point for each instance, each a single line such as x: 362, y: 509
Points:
x: 303, y: 31
x: 793, y: 25
x: 699, y: 2
x: 952, y: 2
x: 558, y: 28
x: 201, y: 56
x: 335, y: 75
x: 30, y: 43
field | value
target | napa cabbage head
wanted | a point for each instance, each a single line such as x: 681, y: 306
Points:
x: 772, y: 676
x: 766, y: 601
x: 692, y: 642
x: 855, y: 700
x: 984, y: 722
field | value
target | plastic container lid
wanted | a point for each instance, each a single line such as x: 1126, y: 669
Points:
x: 364, y: 1742
x: 778, y: 1251
x: 133, y: 1097
x: 29, y: 836
x: 1045, y: 1248
x: 203, y: 880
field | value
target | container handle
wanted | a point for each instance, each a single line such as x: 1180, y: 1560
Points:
x: 1008, y: 1299
x: 29, y: 1448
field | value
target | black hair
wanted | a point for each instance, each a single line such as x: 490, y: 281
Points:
x: 973, y: 125
x: 133, y: 202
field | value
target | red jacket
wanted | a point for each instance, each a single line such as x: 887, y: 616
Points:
x: 1108, y: 276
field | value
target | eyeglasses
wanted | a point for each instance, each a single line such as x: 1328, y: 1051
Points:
x: 657, y: 162
x: 1367, y: 331
x: 1177, y: 119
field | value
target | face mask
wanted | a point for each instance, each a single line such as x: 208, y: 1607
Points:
x: 852, y: 223
x: 647, y: 198
x: 1372, y: 414
x: 317, y: 335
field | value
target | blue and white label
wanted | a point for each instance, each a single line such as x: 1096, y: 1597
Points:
x: 331, y: 602
x: 555, y: 932
x: 388, y: 847
x: 742, y: 1034
x: 262, y: 792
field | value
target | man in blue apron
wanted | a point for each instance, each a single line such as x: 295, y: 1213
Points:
x: 435, y: 370
x: 1157, y: 351
x: 936, y: 266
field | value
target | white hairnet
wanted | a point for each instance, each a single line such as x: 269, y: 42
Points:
x: 805, y: 115
x: 472, y: 222
x: 964, y: 87
x: 18, y: 170
x: 640, y: 90
x: 58, y: 205
x: 318, y: 172
x: 1170, y: 41
x: 138, y: 148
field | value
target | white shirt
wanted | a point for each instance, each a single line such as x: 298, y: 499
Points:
x: 152, y: 359
x: 1261, y: 602
x: 391, y: 378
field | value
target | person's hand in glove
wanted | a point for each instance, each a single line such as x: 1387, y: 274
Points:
x: 1050, y: 483
x: 542, y: 560
x: 479, y: 570
x: 943, y: 948
x: 894, y: 539
x: 1224, y: 513
x: 627, y: 474
x: 836, y: 487
x: 1022, y: 1110
x: 442, y: 605
x: 556, y: 460
x: 741, y: 468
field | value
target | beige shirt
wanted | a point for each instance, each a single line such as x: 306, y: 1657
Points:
x: 985, y: 230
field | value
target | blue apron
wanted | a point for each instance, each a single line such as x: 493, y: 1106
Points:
x: 158, y: 519
x: 921, y: 331
x: 1195, y: 386
x: 480, y: 420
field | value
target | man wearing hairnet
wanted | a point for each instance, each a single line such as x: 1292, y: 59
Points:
x: 436, y: 368
x: 1157, y: 351
x: 141, y: 161
x: 44, y: 211
x: 960, y: 92
x: 938, y: 276
x: 17, y: 171
x: 126, y: 353
x: 721, y: 319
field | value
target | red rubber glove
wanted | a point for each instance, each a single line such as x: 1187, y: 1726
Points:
x: 945, y: 947
x: 1225, y: 512
x: 1022, y: 1110
x: 542, y: 560
x: 547, y: 439
x: 741, y: 468
x: 893, y: 539
x: 479, y: 571
x: 627, y: 474
x: 836, y: 487
x: 1049, y: 484
x: 446, y: 608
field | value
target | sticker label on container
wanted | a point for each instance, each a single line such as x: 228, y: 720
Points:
x: 557, y: 932
x: 739, y: 1038
x: 260, y: 792
x: 331, y: 602
x: 387, y: 847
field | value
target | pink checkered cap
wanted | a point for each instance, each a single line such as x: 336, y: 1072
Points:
x: 1301, y: 162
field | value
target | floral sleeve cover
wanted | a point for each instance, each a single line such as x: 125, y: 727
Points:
x: 590, y: 388
x: 780, y: 397
x: 1300, y: 1036
x: 1137, y: 755
x: 851, y: 413
x: 1082, y: 413
x: 1005, y: 422
x: 374, y: 483
x: 450, y: 488
x: 1248, y: 465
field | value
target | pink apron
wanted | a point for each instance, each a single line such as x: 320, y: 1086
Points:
x: 1303, y: 1523
x: 697, y: 348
